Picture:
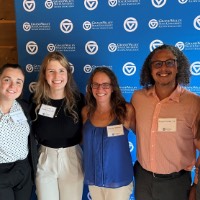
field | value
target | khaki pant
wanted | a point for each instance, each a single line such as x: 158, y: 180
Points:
x: 102, y: 193
x: 59, y: 174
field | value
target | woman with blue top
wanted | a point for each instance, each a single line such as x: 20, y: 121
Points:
x: 107, y: 119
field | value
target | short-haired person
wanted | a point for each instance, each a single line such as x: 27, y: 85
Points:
x: 107, y: 119
x: 18, y: 150
x: 57, y: 124
x: 166, y: 115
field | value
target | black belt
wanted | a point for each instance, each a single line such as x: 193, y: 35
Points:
x: 171, y: 175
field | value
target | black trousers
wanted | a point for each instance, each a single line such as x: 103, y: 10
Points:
x: 15, y: 181
x: 148, y: 187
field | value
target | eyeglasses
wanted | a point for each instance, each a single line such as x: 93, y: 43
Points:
x: 158, y: 63
x: 103, y: 85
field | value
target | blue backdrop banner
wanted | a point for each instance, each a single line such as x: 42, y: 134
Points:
x: 118, y: 34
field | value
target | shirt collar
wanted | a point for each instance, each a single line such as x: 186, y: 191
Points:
x: 175, y: 95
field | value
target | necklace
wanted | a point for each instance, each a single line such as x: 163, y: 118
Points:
x: 56, y: 113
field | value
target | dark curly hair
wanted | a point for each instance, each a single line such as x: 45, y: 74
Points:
x: 117, y: 101
x: 183, y: 66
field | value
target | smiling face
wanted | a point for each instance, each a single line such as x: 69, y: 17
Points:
x: 101, y: 91
x: 11, y: 84
x: 164, y: 75
x: 56, y: 76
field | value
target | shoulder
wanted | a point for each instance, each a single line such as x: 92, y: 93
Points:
x: 190, y: 97
x: 84, y: 113
x: 140, y: 92
x: 130, y: 110
x: 185, y: 91
x: 24, y: 104
x: 129, y: 107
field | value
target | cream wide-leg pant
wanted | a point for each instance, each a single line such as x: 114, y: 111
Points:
x: 59, y: 174
x: 102, y: 193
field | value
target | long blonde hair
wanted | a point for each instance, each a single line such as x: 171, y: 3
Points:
x: 42, y: 89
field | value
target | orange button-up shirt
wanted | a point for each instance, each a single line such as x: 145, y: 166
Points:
x: 162, y: 151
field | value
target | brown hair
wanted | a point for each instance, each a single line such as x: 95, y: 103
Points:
x: 118, y: 102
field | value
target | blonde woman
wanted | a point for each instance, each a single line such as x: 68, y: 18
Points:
x: 57, y: 124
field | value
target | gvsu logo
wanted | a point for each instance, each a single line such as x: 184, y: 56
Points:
x: 66, y: 26
x: 158, y: 3
x: 29, y: 68
x: 197, y: 23
x: 32, y: 86
x: 112, y: 3
x: 112, y: 47
x: 49, y: 4
x: 26, y: 26
x: 91, y: 4
x: 91, y: 47
x: 153, y: 23
x: 51, y: 47
x: 131, y: 147
x: 71, y: 67
x: 130, y: 24
x: 29, y: 5
x: 180, y: 45
x: 88, y: 196
x: 195, y: 68
x: 129, y: 69
x: 32, y: 47
x: 87, y: 69
x: 154, y: 44
x: 182, y: 1
x: 87, y: 25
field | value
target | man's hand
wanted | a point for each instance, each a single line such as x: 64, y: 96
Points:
x: 192, y: 195
x: 198, y: 162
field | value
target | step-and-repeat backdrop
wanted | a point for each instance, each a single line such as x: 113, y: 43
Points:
x: 118, y: 34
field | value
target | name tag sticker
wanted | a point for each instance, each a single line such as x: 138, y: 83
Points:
x: 167, y: 125
x: 47, y: 111
x: 18, y: 116
x: 115, y: 130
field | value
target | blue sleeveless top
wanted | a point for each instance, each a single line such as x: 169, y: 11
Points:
x: 107, y: 160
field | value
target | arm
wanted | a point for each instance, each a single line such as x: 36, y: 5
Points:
x: 197, y: 138
x: 194, y: 192
x: 197, y: 143
x: 84, y: 113
x: 130, y: 119
x: 84, y: 118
